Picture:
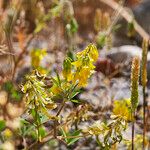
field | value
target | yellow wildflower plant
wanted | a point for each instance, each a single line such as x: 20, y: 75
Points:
x: 122, y: 108
x: 81, y: 69
x: 33, y: 86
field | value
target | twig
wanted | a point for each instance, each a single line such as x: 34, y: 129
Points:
x: 114, y: 5
x: 55, y: 121
x: 47, y: 138
x: 22, y: 53
x: 68, y: 137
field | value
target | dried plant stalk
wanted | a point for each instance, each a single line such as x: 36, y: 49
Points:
x: 144, y: 82
x: 134, y: 91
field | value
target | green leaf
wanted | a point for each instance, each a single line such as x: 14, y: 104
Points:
x: 71, y: 55
x: 58, y: 78
x: 73, y: 140
x: 8, y: 86
x: 42, y: 132
x: 74, y: 25
x: 39, y: 27
x: 64, y: 134
x: 2, y: 125
x: 74, y: 93
x: 55, y: 81
x: 101, y: 40
x: 75, y: 101
x: 68, y: 140
x: 16, y: 95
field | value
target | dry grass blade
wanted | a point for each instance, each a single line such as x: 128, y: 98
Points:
x: 6, y: 63
x: 114, y: 5
x: 4, y: 51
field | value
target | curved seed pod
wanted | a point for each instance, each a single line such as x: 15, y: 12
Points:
x: 134, y: 82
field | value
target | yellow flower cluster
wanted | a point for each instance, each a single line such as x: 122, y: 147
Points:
x: 80, y: 70
x: 36, y: 56
x: 122, y: 109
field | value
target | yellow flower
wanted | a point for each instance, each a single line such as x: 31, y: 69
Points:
x: 56, y: 90
x: 67, y: 74
x: 93, y: 52
x: 81, y: 76
x: 77, y: 63
x: 84, y: 75
x: 36, y: 56
x: 42, y: 70
x: 8, y: 133
x: 122, y: 109
x: 81, y: 69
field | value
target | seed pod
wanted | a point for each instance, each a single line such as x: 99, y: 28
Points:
x: 67, y: 68
x: 98, y: 20
x: 134, y: 82
x: 106, y: 21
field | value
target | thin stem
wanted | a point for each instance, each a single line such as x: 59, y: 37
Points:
x: 22, y: 54
x: 37, y: 122
x: 47, y: 138
x: 55, y: 122
x: 59, y: 111
x: 68, y: 137
x: 133, y: 114
x: 98, y: 141
x: 144, y: 117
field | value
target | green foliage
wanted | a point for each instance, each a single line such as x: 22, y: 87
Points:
x: 72, y: 27
x: 131, y: 29
x: 101, y: 40
x: 74, y: 134
x: 13, y: 91
x: 2, y: 125
x: 37, y: 97
x: 40, y: 99
x: 53, y: 12
x: 58, y: 8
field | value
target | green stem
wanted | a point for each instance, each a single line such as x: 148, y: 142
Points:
x: 133, y: 114
x: 144, y: 117
x: 98, y: 141
x: 37, y: 122
x: 57, y: 114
